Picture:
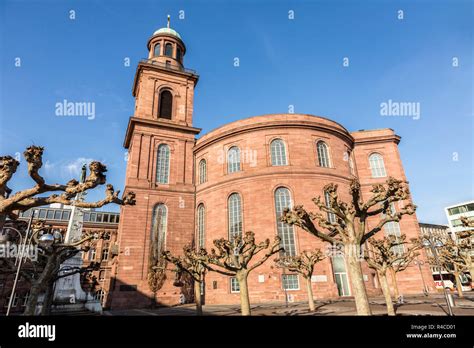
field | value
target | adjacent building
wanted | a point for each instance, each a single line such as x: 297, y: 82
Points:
x: 99, y: 282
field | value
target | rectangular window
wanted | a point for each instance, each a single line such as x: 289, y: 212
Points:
x: 50, y: 214
x: 42, y: 214
x: 66, y: 215
x: 93, y: 217
x: 290, y: 282
x: 234, y: 285
x: 57, y: 215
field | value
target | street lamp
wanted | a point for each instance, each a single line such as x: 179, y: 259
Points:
x: 420, y: 263
x: 438, y: 244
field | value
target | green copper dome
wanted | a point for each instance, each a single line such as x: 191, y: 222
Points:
x: 168, y: 31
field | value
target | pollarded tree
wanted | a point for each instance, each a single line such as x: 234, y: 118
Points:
x: 466, y: 245
x: 384, y: 255
x: 405, y: 258
x: 43, y: 268
x: 233, y: 258
x: 351, y: 229
x: 191, y: 262
x: 30, y: 198
x: 454, y: 259
x: 303, y: 264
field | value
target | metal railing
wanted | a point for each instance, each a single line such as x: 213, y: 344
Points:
x: 168, y: 66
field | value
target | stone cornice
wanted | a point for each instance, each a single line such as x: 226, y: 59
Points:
x: 155, y: 124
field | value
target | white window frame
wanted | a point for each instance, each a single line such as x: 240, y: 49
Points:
x: 283, y: 276
x: 286, y: 232
x: 235, y: 215
x: 163, y: 164
x: 234, y: 165
x: 324, y: 158
x: 377, y: 165
x: 278, y: 154
x: 234, y: 284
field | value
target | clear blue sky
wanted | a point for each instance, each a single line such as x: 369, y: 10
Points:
x: 282, y: 62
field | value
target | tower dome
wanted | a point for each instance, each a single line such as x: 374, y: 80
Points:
x: 166, y: 48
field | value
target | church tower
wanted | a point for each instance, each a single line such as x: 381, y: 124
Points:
x: 160, y: 169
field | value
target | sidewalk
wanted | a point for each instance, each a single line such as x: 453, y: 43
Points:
x: 414, y: 305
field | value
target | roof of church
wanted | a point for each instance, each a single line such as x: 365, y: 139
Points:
x: 167, y: 31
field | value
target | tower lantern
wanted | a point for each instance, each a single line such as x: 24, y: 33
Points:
x: 166, y: 47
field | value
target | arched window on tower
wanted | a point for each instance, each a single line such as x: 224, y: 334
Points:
x: 202, y: 171
x: 285, y: 231
x: 323, y: 154
x: 178, y: 54
x: 163, y: 164
x: 233, y: 160
x: 234, y: 207
x: 158, y: 229
x: 165, y: 104
x: 157, y: 50
x: 169, y: 50
x: 201, y: 216
x: 377, y: 165
x: 278, y: 153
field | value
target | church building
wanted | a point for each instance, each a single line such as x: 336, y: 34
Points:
x: 237, y: 178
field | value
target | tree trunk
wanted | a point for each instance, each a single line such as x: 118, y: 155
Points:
x: 244, y: 293
x: 458, y: 284
x: 396, y: 293
x: 40, y: 284
x: 357, y: 280
x: 310, y: 294
x: 198, y: 297
x: 386, y: 293
x: 48, y: 300
x: 35, y: 291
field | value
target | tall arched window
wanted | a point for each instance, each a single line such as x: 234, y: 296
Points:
x: 285, y: 231
x: 169, y: 50
x: 233, y: 160
x: 163, y: 164
x: 201, y: 215
x: 158, y: 229
x: 323, y: 154
x: 166, y: 104
x: 377, y: 166
x: 278, y: 153
x: 202, y: 171
x: 392, y: 228
x: 331, y: 216
x: 157, y: 50
x: 234, y: 207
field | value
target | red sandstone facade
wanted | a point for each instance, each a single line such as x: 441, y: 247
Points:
x: 175, y: 176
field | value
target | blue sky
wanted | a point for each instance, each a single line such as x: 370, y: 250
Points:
x: 282, y: 62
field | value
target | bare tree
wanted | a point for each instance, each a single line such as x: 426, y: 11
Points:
x: 303, y: 264
x: 42, y: 272
x: 193, y: 263
x: 466, y: 245
x: 405, y: 258
x: 28, y: 198
x: 351, y: 229
x: 233, y: 258
x: 455, y: 260
x: 385, y: 255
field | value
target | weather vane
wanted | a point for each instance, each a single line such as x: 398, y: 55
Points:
x: 169, y: 21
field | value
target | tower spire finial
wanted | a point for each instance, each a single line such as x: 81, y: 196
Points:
x: 168, y: 21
